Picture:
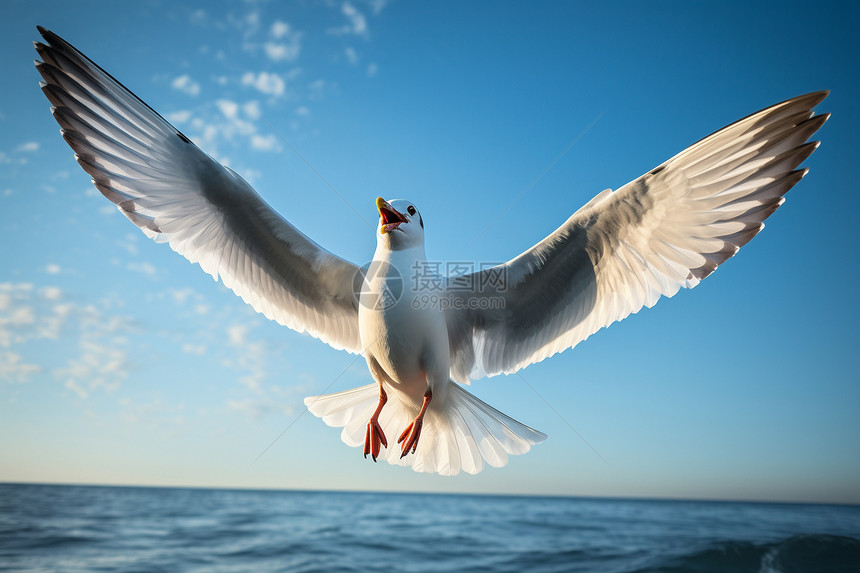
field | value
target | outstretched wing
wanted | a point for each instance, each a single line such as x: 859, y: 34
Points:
x: 177, y: 194
x: 623, y: 250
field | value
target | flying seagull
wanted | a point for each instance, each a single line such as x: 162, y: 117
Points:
x: 423, y: 340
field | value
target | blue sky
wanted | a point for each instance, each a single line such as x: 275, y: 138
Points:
x: 122, y: 363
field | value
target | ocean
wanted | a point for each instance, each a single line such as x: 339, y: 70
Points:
x: 136, y: 529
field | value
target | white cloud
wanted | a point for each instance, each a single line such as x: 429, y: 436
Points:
x: 74, y: 387
x: 52, y: 269
x: 357, y: 22
x: 279, y: 52
x: 251, y: 109
x: 257, y: 408
x: 166, y: 418
x: 378, y: 5
x: 28, y: 147
x: 14, y: 369
x: 316, y: 89
x: 97, y: 366
x: 265, y: 142
x: 268, y: 83
x: 303, y: 111
x: 230, y: 109
x: 250, y: 357
x: 180, y: 116
x: 25, y: 317
x: 351, y: 56
x: 237, y: 334
x: 285, y: 45
x: 186, y: 85
x: 280, y: 29
x: 196, y: 349
x: 198, y: 17
x: 29, y: 314
x: 372, y: 69
x: 5, y: 159
x: 129, y: 242
x: 52, y: 293
x: 145, y: 268
x: 180, y: 296
x: 252, y: 23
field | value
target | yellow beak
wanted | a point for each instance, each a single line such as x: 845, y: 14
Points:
x: 390, y: 217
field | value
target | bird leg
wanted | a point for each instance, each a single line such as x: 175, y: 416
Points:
x: 413, y: 431
x: 374, y: 435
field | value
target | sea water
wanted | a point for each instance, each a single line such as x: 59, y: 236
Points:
x: 83, y: 528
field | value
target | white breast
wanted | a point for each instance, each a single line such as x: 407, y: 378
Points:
x: 397, y: 325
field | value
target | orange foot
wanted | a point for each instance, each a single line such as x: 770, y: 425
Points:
x: 374, y: 435
x: 413, y: 430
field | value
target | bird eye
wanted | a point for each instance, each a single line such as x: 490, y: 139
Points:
x: 411, y: 210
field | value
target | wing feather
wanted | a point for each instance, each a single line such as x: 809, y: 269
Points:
x: 179, y: 195
x: 624, y: 250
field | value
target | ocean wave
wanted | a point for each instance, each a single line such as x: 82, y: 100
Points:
x: 796, y: 554
x: 83, y: 529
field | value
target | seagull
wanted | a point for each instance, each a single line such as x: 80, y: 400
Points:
x: 425, y: 336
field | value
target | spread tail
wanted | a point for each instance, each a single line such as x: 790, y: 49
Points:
x: 460, y: 434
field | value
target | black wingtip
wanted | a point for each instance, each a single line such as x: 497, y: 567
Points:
x: 49, y: 36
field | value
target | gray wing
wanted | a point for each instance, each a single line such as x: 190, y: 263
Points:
x: 623, y: 250
x: 177, y: 194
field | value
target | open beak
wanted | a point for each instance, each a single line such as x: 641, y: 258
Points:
x: 389, y: 217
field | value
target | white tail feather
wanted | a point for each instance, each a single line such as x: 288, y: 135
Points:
x: 459, y: 435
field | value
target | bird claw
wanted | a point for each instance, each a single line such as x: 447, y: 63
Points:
x: 373, y: 438
x: 410, y: 435
x: 413, y: 430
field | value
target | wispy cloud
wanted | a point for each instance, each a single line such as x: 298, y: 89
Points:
x: 285, y: 44
x: 268, y: 83
x: 196, y: 349
x: 180, y: 116
x: 356, y: 21
x: 28, y: 147
x: 97, y: 366
x: 378, y: 5
x: 252, y: 109
x: 145, y: 268
x: 280, y: 52
x: 29, y: 315
x: 186, y: 85
x: 199, y: 17
x: 280, y: 29
x: 266, y: 142
x: 229, y: 108
x: 250, y: 356
x: 351, y: 55
x: 13, y: 368
x: 164, y: 417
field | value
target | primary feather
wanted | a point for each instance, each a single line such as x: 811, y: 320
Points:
x: 179, y: 195
x: 623, y: 250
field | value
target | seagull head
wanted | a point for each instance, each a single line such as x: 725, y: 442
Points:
x: 400, y: 223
